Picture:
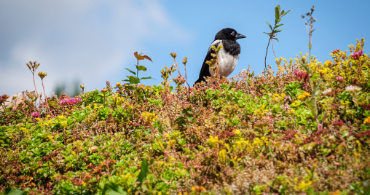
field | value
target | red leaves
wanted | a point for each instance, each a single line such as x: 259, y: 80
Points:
x: 142, y: 57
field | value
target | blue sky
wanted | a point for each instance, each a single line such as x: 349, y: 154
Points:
x: 91, y: 41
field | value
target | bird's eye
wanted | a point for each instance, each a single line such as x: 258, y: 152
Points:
x: 233, y: 33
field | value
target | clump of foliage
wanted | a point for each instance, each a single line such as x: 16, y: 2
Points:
x: 302, y: 130
x: 254, y: 134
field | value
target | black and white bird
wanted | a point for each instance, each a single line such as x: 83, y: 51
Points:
x: 228, y: 55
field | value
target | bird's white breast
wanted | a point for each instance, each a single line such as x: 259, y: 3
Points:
x: 227, y: 62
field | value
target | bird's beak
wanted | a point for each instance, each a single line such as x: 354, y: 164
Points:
x: 239, y: 36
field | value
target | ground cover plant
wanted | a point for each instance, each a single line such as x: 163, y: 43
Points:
x: 301, y: 130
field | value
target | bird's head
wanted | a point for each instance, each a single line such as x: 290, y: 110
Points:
x: 228, y: 34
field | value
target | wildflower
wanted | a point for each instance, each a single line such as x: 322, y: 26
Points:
x: 367, y: 120
x: 104, y: 90
x: 295, y: 103
x: 353, y: 88
x: 214, y: 142
x: 301, y: 75
x: 326, y: 91
x: 118, y: 85
x: 357, y: 55
x: 304, y: 95
x: 236, y: 131
x: 35, y: 114
x: 335, y: 193
x: 327, y: 63
x: 222, y: 156
x: 339, y: 78
x: 198, y: 189
x: 70, y: 101
x: 149, y: 117
x: 42, y: 74
x: 303, y: 186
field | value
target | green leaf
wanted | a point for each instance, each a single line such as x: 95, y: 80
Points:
x: 278, y: 30
x: 277, y: 26
x: 267, y: 33
x: 276, y: 39
x: 316, y: 87
x: 313, y: 30
x: 283, y: 14
x: 129, y: 87
x: 143, y: 78
x: 277, y: 12
x: 134, y: 80
x: 111, y: 188
x: 269, y: 25
x: 131, y: 71
x: 10, y: 191
x: 140, y: 68
x: 144, y: 171
x: 306, y: 68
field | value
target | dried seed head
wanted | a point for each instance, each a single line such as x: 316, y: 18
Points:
x: 104, y: 90
x: 313, y: 8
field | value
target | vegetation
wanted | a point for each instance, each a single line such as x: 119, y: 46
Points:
x: 302, y: 130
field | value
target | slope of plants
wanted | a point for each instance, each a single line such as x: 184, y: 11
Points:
x: 303, y: 129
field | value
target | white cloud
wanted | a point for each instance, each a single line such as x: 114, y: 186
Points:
x: 88, y: 39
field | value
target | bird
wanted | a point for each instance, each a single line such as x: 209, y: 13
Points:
x: 227, y: 57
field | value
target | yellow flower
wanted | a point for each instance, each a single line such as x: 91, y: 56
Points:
x: 295, y: 104
x: 335, y: 193
x: 327, y: 63
x: 304, y: 95
x: 214, y: 142
x: 367, y: 120
x: 236, y: 131
x: 149, y: 117
x: 222, y: 156
x: 303, y: 186
x: 64, y: 124
x: 241, y: 144
x: 198, y: 189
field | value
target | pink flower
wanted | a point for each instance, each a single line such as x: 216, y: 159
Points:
x: 339, y: 78
x: 357, y: 55
x: 70, y: 101
x: 301, y: 75
x: 35, y: 114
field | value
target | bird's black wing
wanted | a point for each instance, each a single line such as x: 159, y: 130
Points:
x: 204, y: 72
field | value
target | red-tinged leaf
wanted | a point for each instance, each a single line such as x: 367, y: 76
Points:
x: 138, y: 56
x: 148, y: 58
x: 142, y: 57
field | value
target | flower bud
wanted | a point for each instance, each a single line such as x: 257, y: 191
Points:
x: 82, y: 86
x: 173, y: 55
x: 185, y: 60
x: 104, y: 90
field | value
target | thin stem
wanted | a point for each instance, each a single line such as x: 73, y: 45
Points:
x: 266, y: 52
x: 46, y: 99
x: 272, y: 45
x: 34, y: 83
x: 137, y: 70
x: 186, y: 76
